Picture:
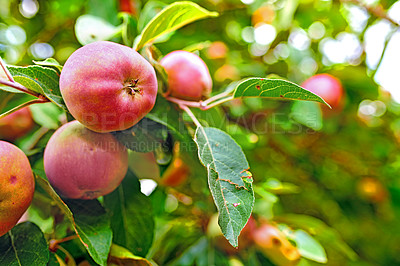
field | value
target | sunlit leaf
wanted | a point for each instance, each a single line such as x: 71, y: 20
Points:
x: 172, y: 18
x: 274, y: 88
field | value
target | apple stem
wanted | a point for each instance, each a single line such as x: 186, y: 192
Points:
x: 190, y: 114
x: 22, y: 106
x: 8, y: 74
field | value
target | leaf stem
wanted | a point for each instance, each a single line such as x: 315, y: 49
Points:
x: 223, y: 100
x: 19, y: 87
x: 8, y: 74
x: 22, y: 106
x: 190, y: 114
x: 216, y: 97
x: 183, y: 102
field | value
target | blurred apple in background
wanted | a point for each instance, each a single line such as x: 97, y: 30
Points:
x: 16, y: 124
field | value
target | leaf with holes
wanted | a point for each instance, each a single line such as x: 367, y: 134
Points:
x: 229, y: 179
x: 24, y: 245
x: 274, y: 88
x: 172, y: 18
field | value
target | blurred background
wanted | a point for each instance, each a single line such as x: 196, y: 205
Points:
x: 333, y: 173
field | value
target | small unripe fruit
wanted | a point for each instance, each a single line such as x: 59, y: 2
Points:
x: 17, y: 185
x: 83, y: 164
x: 327, y: 87
x: 16, y: 124
x: 188, y: 76
x: 107, y: 86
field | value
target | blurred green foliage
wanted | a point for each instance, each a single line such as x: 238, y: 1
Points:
x: 344, y: 172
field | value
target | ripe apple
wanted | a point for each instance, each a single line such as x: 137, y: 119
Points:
x: 217, y: 50
x: 129, y: 6
x: 274, y: 244
x: 176, y: 173
x: 17, y: 185
x: 83, y: 164
x: 16, y: 124
x: 188, y: 76
x: 245, y: 237
x: 327, y: 87
x: 107, y: 86
x: 372, y: 190
x: 264, y: 14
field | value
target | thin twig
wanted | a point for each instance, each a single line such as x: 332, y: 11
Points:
x: 388, y: 38
x: 8, y: 74
x: 377, y: 10
x: 216, y: 97
x: 191, y: 115
x: 183, y: 102
x: 224, y: 100
x: 22, y: 106
x: 19, y: 87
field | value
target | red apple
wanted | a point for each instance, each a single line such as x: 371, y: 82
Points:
x: 327, y: 87
x: 176, y: 173
x: 274, y: 244
x: 17, y: 185
x: 107, y: 86
x: 16, y: 124
x: 245, y: 237
x: 128, y: 6
x: 188, y: 76
x: 83, y: 164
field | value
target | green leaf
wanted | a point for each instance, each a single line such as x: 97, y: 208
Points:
x: 50, y: 62
x: 318, y: 228
x: 146, y: 136
x: 89, y: 219
x: 122, y: 256
x: 172, y: 18
x: 24, y: 245
x: 132, y: 219
x: 229, y: 179
x: 40, y: 79
x: 308, y: 114
x: 164, y: 113
x: 46, y: 115
x: 309, y: 247
x: 89, y: 28
x: 274, y: 88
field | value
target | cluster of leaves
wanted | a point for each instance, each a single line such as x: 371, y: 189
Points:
x: 127, y: 226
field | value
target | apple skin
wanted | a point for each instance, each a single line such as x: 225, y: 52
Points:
x: 107, y: 86
x: 176, y: 173
x: 83, y: 164
x: 188, y: 76
x: 17, y: 185
x: 16, y: 124
x: 274, y: 244
x: 327, y: 87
